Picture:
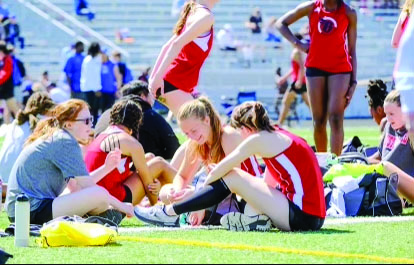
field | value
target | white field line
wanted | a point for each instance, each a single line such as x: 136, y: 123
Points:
x: 328, y: 222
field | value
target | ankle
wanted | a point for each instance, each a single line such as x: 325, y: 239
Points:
x: 169, y: 210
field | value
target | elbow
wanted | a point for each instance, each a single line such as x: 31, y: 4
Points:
x: 280, y: 24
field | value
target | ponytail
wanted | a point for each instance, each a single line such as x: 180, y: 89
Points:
x: 251, y: 115
x: 38, y: 104
x: 200, y: 109
x: 188, y: 7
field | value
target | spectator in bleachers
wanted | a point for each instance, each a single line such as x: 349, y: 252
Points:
x: 155, y: 134
x: 82, y: 9
x: 255, y: 24
x: 298, y: 87
x: 73, y: 70
x: 111, y: 79
x: 331, y: 70
x: 402, y: 23
x: 12, y: 30
x: 19, y: 71
x: 123, y: 35
x: 7, y: 82
x: 271, y: 31
x: 226, y: 39
x: 376, y: 94
x: 145, y: 75
x: 90, y: 83
x: 4, y: 11
x: 38, y: 105
x: 395, y: 146
x: 122, y: 67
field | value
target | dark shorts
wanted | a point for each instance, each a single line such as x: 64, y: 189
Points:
x: 168, y: 87
x: 6, y: 92
x: 41, y: 215
x: 300, y: 221
x: 300, y: 91
x: 128, y: 196
x: 315, y: 72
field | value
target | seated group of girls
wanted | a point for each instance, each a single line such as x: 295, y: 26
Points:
x: 114, y: 173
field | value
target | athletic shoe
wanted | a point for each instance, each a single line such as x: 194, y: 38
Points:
x: 242, y: 222
x: 156, y: 216
x: 113, y: 216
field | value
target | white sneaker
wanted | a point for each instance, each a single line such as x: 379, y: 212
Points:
x: 156, y: 216
x: 242, y: 222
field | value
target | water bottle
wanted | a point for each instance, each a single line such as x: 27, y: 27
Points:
x: 22, y: 221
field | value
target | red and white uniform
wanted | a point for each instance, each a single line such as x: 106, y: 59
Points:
x: 95, y: 158
x: 297, y: 174
x: 328, y: 46
x: 184, y: 72
x: 252, y: 167
x: 296, y: 71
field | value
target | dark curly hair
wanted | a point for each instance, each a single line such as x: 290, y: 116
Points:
x: 128, y: 113
x: 376, y: 93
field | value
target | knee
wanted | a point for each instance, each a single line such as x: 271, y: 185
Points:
x: 100, y: 193
x: 336, y: 120
x: 165, y: 190
x: 319, y: 123
x: 232, y: 179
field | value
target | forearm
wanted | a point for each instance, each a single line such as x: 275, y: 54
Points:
x: 160, y: 59
x: 354, y: 67
x: 180, y: 183
x: 98, y: 174
x: 286, y: 32
x: 171, y: 53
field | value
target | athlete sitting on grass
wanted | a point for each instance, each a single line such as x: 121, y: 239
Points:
x: 291, y: 197
x: 52, y: 157
x: 210, y: 142
x: 395, y: 146
x: 122, y: 136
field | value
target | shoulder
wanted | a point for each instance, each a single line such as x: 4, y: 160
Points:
x: 350, y: 11
x: 230, y: 139
x: 204, y: 15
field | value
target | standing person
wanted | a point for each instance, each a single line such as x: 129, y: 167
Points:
x: 291, y: 197
x: 122, y: 69
x: 111, y: 79
x: 82, y: 9
x: 52, y: 157
x: 402, y: 23
x: 404, y: 76
x: 73, y: 71
x: 7, y: 82
x: 176, y: 72
x: 13, y: 32
x: 331, y: 64
x: 90, y: 83
x: 298, y: 86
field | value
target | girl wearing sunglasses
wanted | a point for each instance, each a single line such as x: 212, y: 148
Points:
x: 52, y: 157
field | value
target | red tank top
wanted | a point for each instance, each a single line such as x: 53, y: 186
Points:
x: 297, y: 173
x: 252, y: 167
x: 328, y: 46
x: 95, y: 158
x: 184, y: 72
x: 295, y: 72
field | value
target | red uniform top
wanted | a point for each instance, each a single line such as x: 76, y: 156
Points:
x: 7, y: 71
x: 295, y: 72
x: 297, y: 173
x: 184, y: 71
x: 328, y: 46
x: 252, y: 167
x: 95, y: 158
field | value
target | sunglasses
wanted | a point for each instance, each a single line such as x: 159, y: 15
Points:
x: 87, y: 121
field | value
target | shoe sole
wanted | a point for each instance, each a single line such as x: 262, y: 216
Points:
x: 241, y: 222
x: 155, y: 223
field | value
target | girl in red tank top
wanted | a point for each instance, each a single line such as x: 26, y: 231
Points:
x: 123, y: 183
x: 298, y: 86
x: 176, y: 72
x: 402, y: 23
x: 331, y: 64
x: 292, y: 198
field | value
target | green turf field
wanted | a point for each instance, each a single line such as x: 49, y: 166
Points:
x: 336, y: 243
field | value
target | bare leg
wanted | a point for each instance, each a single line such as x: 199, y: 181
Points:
x: 288, y: 99
x: 261, y: 197
x: 318, y: 96
x: 93, y: 200
x: 305, y: 98
x: 405, y: 181
x: 175, y: 99
x: 337, y: 86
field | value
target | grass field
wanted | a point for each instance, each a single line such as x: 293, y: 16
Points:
x: 371, y: 242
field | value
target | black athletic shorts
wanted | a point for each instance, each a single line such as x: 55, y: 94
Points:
x: 41, y: 215
x: 168, y: 87
x: 128, y: 196
x: 300, y: 221
x: 300, y: 91
x: 6, y: 91
x: 315, y: 72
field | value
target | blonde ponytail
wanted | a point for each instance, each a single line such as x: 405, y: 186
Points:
x: 187, y: 9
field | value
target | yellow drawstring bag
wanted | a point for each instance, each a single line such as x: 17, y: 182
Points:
x: 74, y: 234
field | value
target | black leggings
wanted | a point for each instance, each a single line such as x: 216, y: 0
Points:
x: 209, y: 196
